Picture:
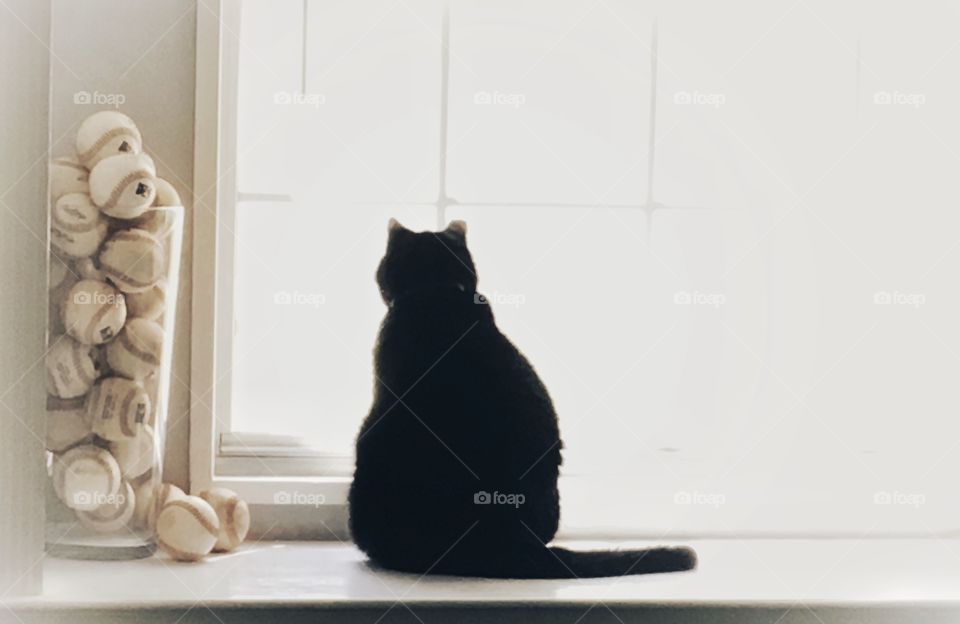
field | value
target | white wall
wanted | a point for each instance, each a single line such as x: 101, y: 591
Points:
x: 24, y: 34
x: 142, y: 53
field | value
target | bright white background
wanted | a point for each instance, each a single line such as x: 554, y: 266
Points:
x: 790, y: 406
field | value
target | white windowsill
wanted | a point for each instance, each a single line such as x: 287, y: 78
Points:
x: 314, y: 575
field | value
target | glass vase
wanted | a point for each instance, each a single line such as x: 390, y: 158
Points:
x: 109, y: 345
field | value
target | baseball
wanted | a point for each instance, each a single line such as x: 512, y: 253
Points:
x: 71, y: 368
x: 148, y: 304
x: 234, y: 517
x: 85, y: 477
x: 113, y: 514
x: 93, y: 312
x: 133, y: 260
x: 67, y: 175
x: 117, y: 408
x: 67, y: 423
x: 135, y: 455
x: 60, y: 280
x: 87, y: 269
x: 158, y: 220
x: 135, y: 352
x: 187, y: 528
x: 123, y: 186
x: 77, y: 228
x: 143, y: 504
x: 166, y: 194
x: 152, y: 386
x: 106, y: 133
x: 163, y: 494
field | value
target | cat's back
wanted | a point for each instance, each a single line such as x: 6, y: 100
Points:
x: 419, y: 333
x: 445, y: 371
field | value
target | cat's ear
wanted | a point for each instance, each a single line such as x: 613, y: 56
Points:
x: 394, y: 227
x: 458, y: 228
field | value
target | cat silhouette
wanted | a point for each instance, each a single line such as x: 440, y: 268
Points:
x: 458, y: 459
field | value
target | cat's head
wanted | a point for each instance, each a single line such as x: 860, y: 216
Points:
x: 421, y: 260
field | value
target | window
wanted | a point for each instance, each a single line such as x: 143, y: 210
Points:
x: 728, y: 307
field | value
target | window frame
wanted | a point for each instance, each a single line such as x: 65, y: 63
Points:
x: 262, y: 467
x: 259, y: 467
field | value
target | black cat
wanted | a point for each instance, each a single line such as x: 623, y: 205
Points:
x: 457, y: 461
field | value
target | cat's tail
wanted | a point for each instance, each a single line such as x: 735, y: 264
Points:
x: 597, y: 563
x: 557, y: 563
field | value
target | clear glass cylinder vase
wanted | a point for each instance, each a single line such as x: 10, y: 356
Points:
x: 109, y: 346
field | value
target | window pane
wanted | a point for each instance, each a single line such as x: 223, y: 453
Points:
x: 548, y: 105
x: 307, y: 314
x: 306, y: 304
x: 365, y: 127
x: 757, y: 346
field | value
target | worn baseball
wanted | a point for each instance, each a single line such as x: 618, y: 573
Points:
x: 148, y: 304
x: 77, y: 228
x: 106, y: 133
x: 156, y: 220
x: 123, y: 186
x: 67, y: 423
x: 159, y: 221
x: 187, y: 528
x: 163, y: 494
x: 85, y: 476
x: 135, y: 352
x: 143, y: 491
x: 86, y: 268
x: 133, y: 260
x: 234, y: 517
x: 151, y: 497
x: 115, y: 511
x: 71, y: 367
x: 135, y: 455
x: 93, y: 312
x: 67, y: 175
x: 60, y: 279
x: 117, y: 408
x: 152, y: 386
x: 166, y: 194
